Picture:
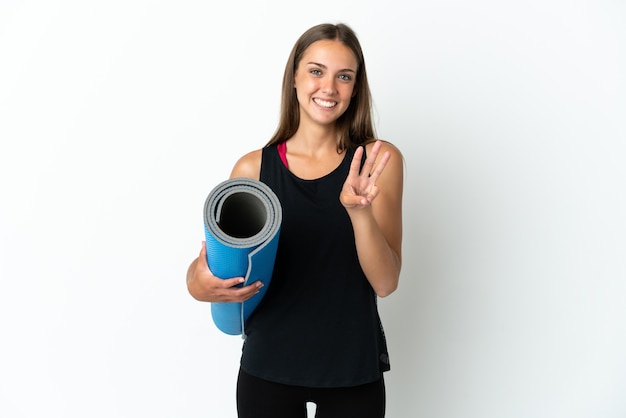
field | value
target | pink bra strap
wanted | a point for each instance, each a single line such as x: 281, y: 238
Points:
x: 282, y: 152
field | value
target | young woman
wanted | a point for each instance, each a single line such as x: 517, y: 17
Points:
x: 316, y: 336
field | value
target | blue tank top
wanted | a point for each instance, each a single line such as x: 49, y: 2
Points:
x: 318, y: 324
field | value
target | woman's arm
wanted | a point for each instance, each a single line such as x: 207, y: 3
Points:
x: 206, y: 287
x: 373, y: 200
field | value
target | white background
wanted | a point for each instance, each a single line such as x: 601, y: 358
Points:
x: 118, y: 117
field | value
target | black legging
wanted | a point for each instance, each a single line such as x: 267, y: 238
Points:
x: 258, y: 398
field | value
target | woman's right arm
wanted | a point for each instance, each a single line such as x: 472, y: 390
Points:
x: 201, y: 283
x: 205, y: 287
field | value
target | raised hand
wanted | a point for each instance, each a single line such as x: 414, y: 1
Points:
x: 360, y: 189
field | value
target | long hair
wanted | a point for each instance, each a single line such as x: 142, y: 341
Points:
x: 355, y: 125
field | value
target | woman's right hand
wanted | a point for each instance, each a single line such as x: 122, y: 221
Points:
x: 206, y: 287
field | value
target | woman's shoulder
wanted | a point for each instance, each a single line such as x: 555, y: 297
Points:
x: 249, y: 165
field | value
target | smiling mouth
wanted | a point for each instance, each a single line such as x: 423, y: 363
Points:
x: 325, y: 103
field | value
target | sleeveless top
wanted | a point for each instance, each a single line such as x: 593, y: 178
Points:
x: 318, y: 324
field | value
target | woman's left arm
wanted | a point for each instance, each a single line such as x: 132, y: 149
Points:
x: 372, y: 197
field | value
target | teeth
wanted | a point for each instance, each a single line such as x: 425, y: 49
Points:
x: 325, y: 103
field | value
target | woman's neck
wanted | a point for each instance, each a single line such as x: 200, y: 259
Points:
x: 313, y: 153
x: 314, y: 139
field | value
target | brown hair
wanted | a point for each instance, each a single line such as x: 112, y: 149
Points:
x: 355, y: 125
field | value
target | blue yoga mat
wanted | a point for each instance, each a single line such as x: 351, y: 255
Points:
x: 242, y: 220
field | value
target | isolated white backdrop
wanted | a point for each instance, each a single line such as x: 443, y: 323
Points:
x: 117, y: 118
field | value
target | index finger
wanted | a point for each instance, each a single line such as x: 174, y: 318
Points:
x: 372, y: 167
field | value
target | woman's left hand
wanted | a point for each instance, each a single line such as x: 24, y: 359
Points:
x: 359, y: 189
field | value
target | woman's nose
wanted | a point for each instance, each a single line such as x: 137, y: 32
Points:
x: 329, y: 86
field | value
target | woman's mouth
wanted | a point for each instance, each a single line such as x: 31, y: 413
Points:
x: 325, y: 103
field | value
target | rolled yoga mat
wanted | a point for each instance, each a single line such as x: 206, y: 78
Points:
x: 242, y: 220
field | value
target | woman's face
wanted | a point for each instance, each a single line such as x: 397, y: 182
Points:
x: 324, y: 81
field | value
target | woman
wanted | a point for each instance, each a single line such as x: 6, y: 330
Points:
x: 316, y: 336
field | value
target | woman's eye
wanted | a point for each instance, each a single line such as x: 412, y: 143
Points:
x: 345, y: 77
x: 315, y: 71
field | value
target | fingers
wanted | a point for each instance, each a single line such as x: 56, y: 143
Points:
x: 371, y: 160
x: 247, y: 292
x: 231, y: 288
x: 371, y: 166
x: 235, y: 293
x: 373, y: 193
x: 361, y: 201
x: 228, y: 283
x: 380, y: 166
x: 355, y: 165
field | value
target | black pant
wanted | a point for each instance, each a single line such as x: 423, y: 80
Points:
x: 258, y: 398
